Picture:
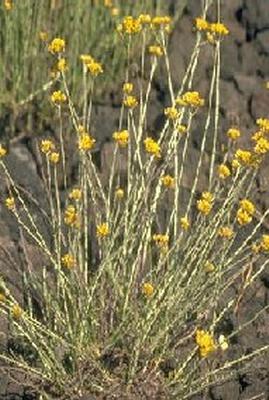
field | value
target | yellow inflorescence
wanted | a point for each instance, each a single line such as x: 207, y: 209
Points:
x: 263, y: 124
x: 245, y: 212
x: 223, y: 171
x: 144, y: 19
x: 121, y: 137
x: 54, y: 157
x: 147, y: 289
x: 10, y: 203
x: 168, y: 181
x: 182, y: 129
x: 130, y: 25
x: 119, y: 193
x: 152, y: 147
x: 71, y: 217
x: 233, y: 133
x: 130, y: 101
x: 262, y: 146
x: 86, y: 142
x: 75, y: 194
x: 68, y: 261
x: 216, y: 28
x: 201, y: 24
x: 244, y: 157
x: 102, y: 230
x: 265, y: 243
x: 171, y: 113
x: 205, y: 342
x: 161, y: 240
x: 205, y: 204
x: 61, y: 65
x: 8, y: 4
x: 58, y: 97
x: 156, y: 50
x: 191, y: 99
x: 3, y: 151
x: 225, y: 232
x: 184, y: 223
x: 47, y: 146
x: 56, y: 46
x: 209, y: 266
x: 16, y: 311
x: 128, y: 87
x: 161, y: 21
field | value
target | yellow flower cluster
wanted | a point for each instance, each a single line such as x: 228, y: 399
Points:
x: 144, y: 19
x: 75, y: 194
x: 171, y: 113
x: 3, y: 151
x: 191, y: 99
x: 8, y: 4
x: 16, y: 311
x: 71, y: 217
x: 61, y: 65
x: 209, y: 266
x: 245, y: 212
x: 58, y: 97
x: 205, y: 204
x: 182, y: 129
x: 54, y: 157
x: 121, y: 137
x: 205, y: 342
x: 225, y: 232
x: 86, y: 142
x: 156, y: 50
x: 119, y: 193
x: 102, y: 230
x: 47, y: 146
x: 263, y: 124
x: 265, y: 243
x: 168, y: 181
x: 43, y: 36
x: 94, y: 67
x: 244, y: 157
x: 262, y: 146
x: 161, y: 21
x: 130, y: 101
x: 223, y: 171
x: 216, y: 28
x: 147, y: 289
x: 56, y: 46
x: 184, y: 223
x: 10, y: 203
x: 130, y: 25
x: 161, y: 240
x: 233, y: 133
x: 152, y: 147
x: 68, y: 261
x: 128, y: 87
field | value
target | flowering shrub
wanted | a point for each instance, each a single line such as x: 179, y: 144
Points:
x: 133, y: 275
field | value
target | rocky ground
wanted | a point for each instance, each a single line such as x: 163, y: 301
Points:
x: 245, y: 68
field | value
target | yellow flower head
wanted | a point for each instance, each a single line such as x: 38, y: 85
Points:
x: 201, y: 24
x: 144, y: 19
x: 233, y: 133
x: 171, y: 113
x: 57, y: 45
x: 47, y: 146
x: 182, y: 129
x: 68, y: 261
x: 58, y: 97
x: 209, y: 266
x: 8, y: 4
x: 225, y: 232
x: 121, y: 137
x: 263, y: 124
x: 205, y: 342
x: 262, y: 146
x: 244, y: 157
x: 219, y: 29
x: 95, y: 68
x: 205, y: 204
x: 115, y: 11
x: 131, y: 25
x: 130, y: 101
x: 185, y: 223
x: 265, y: 243
x: 61, y: 65
x: 71, y: 217
x: 152, y: 147
x: 86, y: 142
x: 3, y: 151
x: 75, y: 194
x: 102, y: 230
x: 86, y: 58
x: 43, y: 36
x: 16, y: 311
x: 119, y: 193
x: 161, y: 240
x: 147, y: 289
x: 168, y: 181
x: 191, y: 99
x: 54, y: 157
x: 156, y: 50
x: 127, y: 87
x: 10, y: 203
x: 223, y: 171
x: 161, y: 22
x: 247, y: 206
x: 243, y: 217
